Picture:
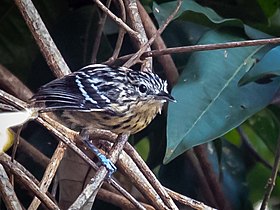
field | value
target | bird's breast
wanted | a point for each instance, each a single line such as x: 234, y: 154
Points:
x: 134, y: 118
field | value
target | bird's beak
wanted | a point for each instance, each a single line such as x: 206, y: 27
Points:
x: 165, y: 96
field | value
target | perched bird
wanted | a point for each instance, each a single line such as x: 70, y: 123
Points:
x: 98, y: 96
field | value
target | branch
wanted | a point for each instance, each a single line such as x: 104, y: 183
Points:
x: 118, y: 21
x: 98, y: 35
x: 87, y: 197
x: 120, y: 36
x: 150, y: 176
x: 118, y: 200
x: 137, y: 25
x: 49, y: 173
x: 26, y: 181
x: 217, y: 46
x: 136, y: 57
x: 7, y: 191
x: 166, y: 60
x: 271, y: 181
x: 188, y: 201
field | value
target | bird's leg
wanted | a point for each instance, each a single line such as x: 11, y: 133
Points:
x: 103, y: 160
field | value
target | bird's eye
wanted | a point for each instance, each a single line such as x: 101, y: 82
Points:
x: 142, y: 88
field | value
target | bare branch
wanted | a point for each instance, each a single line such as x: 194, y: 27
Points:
x: 150, y: 176
x: 98, y: 35
x: 271, y: 181
x: 118, y: 21
x: 26, y: 181
x: 120, y: 36
x: 7, y: 191
x: 118, y: 200
x: 166, y: 60
x: 188, y: 201
x: 87, y: 197
x: 49, y: 173
x: 136, y: 57
x: 216, y: 46
x: 137, y: 25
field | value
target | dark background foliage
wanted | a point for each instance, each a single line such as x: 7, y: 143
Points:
x: 239, y: 157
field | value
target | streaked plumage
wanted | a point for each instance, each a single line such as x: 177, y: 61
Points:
x: 98, y: 96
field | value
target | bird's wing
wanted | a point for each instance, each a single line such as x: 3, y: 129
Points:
x: 72, y: 92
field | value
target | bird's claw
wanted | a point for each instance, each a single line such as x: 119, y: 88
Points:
x: 103, y: 160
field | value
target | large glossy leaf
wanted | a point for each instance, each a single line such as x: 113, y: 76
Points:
x: 210, y: 102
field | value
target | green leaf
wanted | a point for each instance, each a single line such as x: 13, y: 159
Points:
x: 257, y: 179
x: 269, y: 7
x: 267, y: 67
x: 258, y: 144
x: 209, y: 100
x: 192, y: 11
x: 266, y: 125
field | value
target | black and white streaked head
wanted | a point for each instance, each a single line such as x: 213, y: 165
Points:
x: 114, y: 94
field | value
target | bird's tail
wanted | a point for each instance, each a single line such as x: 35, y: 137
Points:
x: 11, y: 119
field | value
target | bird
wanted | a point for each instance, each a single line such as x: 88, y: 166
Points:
x: 99, y: 96
x: 102, y: 97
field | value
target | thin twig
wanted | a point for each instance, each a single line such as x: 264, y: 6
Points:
x: 118, y: 200
x: 98, y: 35
x: 120, y: 36
x: 12, y: 100
x: 43, y: 38
x: 150, y: 176
x: 7, y: 107
x: 166, y: 61
x: 14, y: 150
x: 271, y: 181
x: 26, y: 181
x: 49, y: 173
x: 137, y: 25
x: 203, y: 47
x: 87, y: 197
x: 136, y: 57
x: 188, y: 201
x: 137, y: 178
x: 216, y: 46
x: 7, y: 191
x: 118, y: 20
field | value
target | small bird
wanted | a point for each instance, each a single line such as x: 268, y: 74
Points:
x: 98, y: 96
x: 102, y: 97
